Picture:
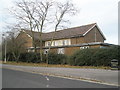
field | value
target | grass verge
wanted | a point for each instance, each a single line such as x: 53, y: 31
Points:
x: 52, y: 65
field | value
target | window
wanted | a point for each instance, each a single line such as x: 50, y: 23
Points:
x: 66, y: 42
x: 48, y: 44
x: 81, y: 47
x: 84, y: 47
x: 45, y: 51
x: 53, y: 43
x: 56, y: 43
x: 63, y: 42
x: 33, y: 50
x: 102, y: 47
x: 28, y: 50
x: 61, y: 51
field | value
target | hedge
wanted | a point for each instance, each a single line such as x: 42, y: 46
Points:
x: 95, y: 57
x: 35, y: 58
x: 57, y: 58
x: 85, y: 57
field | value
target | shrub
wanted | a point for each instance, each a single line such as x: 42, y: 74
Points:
x: 94, y: 57
x: 57, y: 58
x: 81, y: 57
x: 31, y: 57
x: 9, y: 57
x: 85, y: 57
x: 35, y: 58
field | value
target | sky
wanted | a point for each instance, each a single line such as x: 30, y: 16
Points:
x: 102, y: 12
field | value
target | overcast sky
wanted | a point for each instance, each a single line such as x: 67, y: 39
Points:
x: 102, y: 12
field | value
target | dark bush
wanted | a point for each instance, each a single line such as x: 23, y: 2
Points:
x: 57, y: 58
x: 94, y: 57
x: 9, y: 57
x: 85, y: 57
x: 35, y: 58
x: 31, y: 57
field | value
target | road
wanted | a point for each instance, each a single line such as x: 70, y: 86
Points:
x: 20, y: 79
x: 101, y: 75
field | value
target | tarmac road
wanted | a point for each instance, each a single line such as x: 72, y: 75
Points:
x: 20, y: 79
x: 109, y: 77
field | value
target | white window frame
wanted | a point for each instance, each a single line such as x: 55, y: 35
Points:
x: 48, y: 43
x: 45, y: 51
x: 63, y: 42
x: 28, y: 50
x: 102, y: 47
x: 61, y: 50
x: 84, y: 47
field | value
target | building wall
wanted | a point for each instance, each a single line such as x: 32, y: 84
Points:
x: 26, y: 38
x: 70, y: 50
x: 77, y: 40
x: 93, y: 36
x: 37, y: 43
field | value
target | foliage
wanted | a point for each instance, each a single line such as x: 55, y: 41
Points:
x: 85, y: 57
x: 56, y: 58
x: 94, y: 57
x: 35, y: 58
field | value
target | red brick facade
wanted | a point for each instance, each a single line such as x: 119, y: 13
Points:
x: 92, y: 36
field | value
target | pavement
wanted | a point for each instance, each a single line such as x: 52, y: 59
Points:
x: 20, y: 79
x: 108, y: 77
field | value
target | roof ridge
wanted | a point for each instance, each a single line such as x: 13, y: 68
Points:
x: 30, y: 31
x: 72, y: 27
x: 62, y: 29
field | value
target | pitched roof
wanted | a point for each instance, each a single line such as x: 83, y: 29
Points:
x: 66, y: 33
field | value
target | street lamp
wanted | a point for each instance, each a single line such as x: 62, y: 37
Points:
x: 3, y: 35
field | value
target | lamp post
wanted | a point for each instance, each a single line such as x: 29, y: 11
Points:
x: 3, y: 35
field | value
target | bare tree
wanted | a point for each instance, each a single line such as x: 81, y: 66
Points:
x: 42, y: 10
x: 34, y: 14
x: 40, y: 13
x: 61, y: 10
x: 14, y: 45
x: 25, y: 15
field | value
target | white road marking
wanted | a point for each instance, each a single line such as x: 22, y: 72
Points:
x: 47, y: 85
x: 47, y: 78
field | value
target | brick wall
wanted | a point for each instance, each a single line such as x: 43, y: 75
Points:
x: 89, y: 37
x: 26, y: 38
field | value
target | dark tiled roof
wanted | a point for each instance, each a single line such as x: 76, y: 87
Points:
x: 66, y: 33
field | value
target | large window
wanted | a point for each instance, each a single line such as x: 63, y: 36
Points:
x: 61, y: 50
x: 66, y: 42
x: 58, y: 42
